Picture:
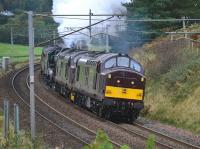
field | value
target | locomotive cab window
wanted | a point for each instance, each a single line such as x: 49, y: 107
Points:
x: 111, y: 63
x: 123, y: 61
x: 135, y: 66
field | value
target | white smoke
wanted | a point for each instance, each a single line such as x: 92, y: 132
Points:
x: 68, y: 24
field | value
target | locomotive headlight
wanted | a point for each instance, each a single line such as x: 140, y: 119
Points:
x: 118, y: 81
x: 142, y: 79
x: 109, y: 76
x: 132, y: 83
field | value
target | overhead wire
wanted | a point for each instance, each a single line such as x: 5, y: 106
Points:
x: 47, y: 41
x: 127, y: 20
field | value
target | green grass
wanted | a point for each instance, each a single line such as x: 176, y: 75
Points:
x: 173, y: 83
x: 174, y: 97
x: 102, y: 142
x: 18, y: 53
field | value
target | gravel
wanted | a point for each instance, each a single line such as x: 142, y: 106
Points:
x: 172, y: 131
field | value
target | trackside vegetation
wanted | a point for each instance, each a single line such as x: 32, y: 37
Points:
x: 151, y: 142
x: 22, y: 141
x: 102, y: 142
x: 173, y: 86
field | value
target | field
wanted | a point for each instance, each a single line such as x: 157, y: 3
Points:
x: 173, y: 83
x: 17, y: 53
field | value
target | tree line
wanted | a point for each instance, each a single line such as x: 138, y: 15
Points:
x: 137, y: 9
x: 142, y: 32
x: 34, y: 5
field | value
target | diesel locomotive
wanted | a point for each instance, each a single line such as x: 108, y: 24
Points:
x: 108, y: 84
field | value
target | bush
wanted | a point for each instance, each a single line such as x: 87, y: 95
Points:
x: 102, y: 142
x: 182, y: 80
x: 151, y: 142
x: 22, y: 141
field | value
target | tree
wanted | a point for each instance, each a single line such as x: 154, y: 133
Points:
x: 158, y: 9
x: 34, y: 5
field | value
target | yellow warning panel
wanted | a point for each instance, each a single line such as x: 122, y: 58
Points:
x: 72, y: 97
x: 124, y: 93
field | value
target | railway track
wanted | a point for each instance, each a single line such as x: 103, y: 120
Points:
x: 161, y: 142
x: 40, y: 114
x: 165, y: 143
x: 188, y: 145
x: 90, y: 134
x: 161, y: 139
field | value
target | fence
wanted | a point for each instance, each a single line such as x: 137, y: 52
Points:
x: 6, y: 119
x: 0, y: 63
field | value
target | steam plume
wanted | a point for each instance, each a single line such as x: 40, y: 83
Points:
x: 67, y: 24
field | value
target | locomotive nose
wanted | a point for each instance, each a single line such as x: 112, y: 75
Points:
x: 125, y: 85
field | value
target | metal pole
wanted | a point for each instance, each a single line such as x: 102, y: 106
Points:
x: 6, y: 119
x: 16, y: 119
x: 31, y: 72
x: 54, y: 36
x: 80, y: 45
x: 90, y: 23
x: 172, y: 36
x: 107, y: 39
x: 184, y: 26
x: 11, y: 36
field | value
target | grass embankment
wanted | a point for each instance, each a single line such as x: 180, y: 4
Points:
x: 173, y: 82
x: 18, y: 53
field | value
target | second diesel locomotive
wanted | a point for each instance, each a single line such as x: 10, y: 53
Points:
x: 109, y: 84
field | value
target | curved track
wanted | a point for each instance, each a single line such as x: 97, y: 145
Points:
x: 77, y: 127
x: 40, y: 114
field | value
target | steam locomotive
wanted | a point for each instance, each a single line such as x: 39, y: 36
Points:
x: 108, y: 84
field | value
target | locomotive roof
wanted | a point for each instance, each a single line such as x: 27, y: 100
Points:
x: 86, y: 56
x: 46, y: 50
x: 74, y: 53
x: 97, y: 57
x: 65, y: 52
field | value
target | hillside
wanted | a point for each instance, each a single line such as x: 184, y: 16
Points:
x: 173, y: 81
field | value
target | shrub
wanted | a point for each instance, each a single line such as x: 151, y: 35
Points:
x: 151, y: 142
x: 22, y: 141
x: 102, y: 142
